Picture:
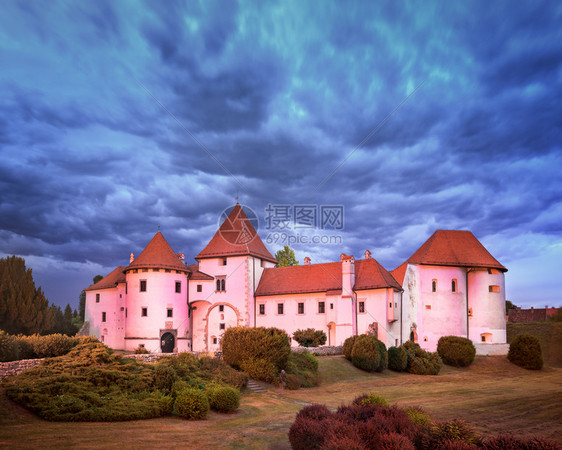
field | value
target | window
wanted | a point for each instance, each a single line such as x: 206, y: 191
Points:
x: 97, y: 298
x: 321, y: 307
x: 433, y: 285
x: 262, y: 310
x: 221, y: 284
x: 427, y: 306
x: 221, y: 308
x: 390, y: 305
x: 361, y: 307
x: 167, y: 271
x: 331, y: 306
x: 126, y: 287
x: 126, y: 312
x: 224, y: 261
x: 454, y: 286
x: 143, y: 285
x: 221, y: 326
x: 145, y: 270
x: 301, y: 308
x: 135, y: 270
x: 103, y: 317
x: 218, y: 285
x: 170, y: 312
x: 494, y: 288
x: 178, y: 287
x: 279, y: 308
x: 199, y: 288
x: 214, y: 340
x: 144, y: 312
x: 483, y: 338
x: 493, y: 271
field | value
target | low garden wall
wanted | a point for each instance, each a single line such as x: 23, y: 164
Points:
x: 15, y: 367
x: 326, y: 350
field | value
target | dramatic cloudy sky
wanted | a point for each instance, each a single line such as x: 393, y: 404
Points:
x: 119, y: 116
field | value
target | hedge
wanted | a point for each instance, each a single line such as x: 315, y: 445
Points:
x: 456, y: 351
x: 525, y: 351
x: 310, y: 337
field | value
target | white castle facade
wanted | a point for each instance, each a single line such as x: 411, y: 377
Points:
x: 451, y: 286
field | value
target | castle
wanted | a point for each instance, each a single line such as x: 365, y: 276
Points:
x: 451, y: 286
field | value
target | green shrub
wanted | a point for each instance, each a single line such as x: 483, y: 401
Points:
x: 310, y: 337
x: 52, y: 345
x: 397, y: 359
x: 222, y: 373
x: 418, y: 416
x: 456, y: 351
x: 141, y: 350
x: 304, y: 367
x: 240, y: 344
x: 223, y: 398
x: 292, y: 382
x: 164, y: 377
x: 370, y: 400
x: 179, y: 386
x: 348, y: 347
x: 369, y: 354
x: 9, y: 347
x: 525, y: 351
x: 192, y: 404
x: 260, y: 369
x: 452, y: 431
x: 421, y: 362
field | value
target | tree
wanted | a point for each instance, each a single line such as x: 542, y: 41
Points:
x: 82, y: 305
x: 23, y: 307
x: 508, y: 306
x: 97, y: 278
x: 286, y: 257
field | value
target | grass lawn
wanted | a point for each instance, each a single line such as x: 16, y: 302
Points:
x: 493, y: 395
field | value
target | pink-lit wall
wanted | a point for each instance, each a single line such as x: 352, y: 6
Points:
x: 112, y: 302
x: 159, y: 296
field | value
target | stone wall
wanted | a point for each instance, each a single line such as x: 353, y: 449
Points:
x: 15, y: 367
x: 327, y: 350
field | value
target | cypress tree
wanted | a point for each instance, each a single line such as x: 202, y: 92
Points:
x: 23, y: 307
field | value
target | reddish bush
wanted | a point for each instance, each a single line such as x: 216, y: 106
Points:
x: 394, y: 441
x: 315, y: 412
x: 503, y: 442
x: 539, y: 443
x: 307, y: 433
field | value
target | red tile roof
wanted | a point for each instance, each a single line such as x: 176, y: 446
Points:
x: 196, y: 275
x: 454, y: 248
x: 369, y: 274
x: 236, y: 237
x: 327, y: 277
x: 109, y: 281
x: 158, y: 254
x: 400, y: 272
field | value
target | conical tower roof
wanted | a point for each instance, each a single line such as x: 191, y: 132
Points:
x: 236, y: 237
x: 158, y: 255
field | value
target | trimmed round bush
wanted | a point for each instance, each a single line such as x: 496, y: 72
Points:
x: 192, y: 404
x: 310, y: 337
x: 224, y: 398
x: 370, y: 400
x: 525, y: 351
x: 242, y: 343
x: 369, y: 354
x: 260, y: 369
x: 348, y: 347
x: 421, y: 362
x: 397, y: 359
x: 307, y: 433
x: 315, y: 411
x: 453, y: 430
x: 456, y: 351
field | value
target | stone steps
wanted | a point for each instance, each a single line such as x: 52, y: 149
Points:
x: 255, y: 387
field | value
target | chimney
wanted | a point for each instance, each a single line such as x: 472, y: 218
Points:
x: 306, y: 261
x: 367, y: 254
x: 348, y: 274
x: 181, y: 257
x: 131, y: 258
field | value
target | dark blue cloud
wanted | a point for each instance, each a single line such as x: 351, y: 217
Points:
x: 284, y: 97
